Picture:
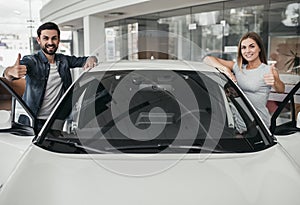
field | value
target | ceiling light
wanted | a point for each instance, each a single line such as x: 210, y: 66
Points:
x: 17, y: 12
x: 67, y: 26
x: 115, y: 14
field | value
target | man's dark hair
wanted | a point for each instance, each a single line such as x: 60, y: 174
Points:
x: 48, y: 26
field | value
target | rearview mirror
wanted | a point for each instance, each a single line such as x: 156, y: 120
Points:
x: 5, y: 119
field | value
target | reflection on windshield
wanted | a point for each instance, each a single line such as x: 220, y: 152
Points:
x: 232, y: 97
x: 139, y: 111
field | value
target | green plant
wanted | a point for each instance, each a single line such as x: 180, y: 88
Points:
x: 293, y: 63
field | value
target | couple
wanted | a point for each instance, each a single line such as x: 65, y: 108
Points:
x: 48, y: 74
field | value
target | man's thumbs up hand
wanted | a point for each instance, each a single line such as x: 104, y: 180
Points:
x: 18, y: 60
x: 15, y: 71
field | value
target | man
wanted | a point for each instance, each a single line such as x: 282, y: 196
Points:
x: 47, y: 73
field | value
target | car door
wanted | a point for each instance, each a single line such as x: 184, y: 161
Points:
x: 16, y: 125
x: 285, y: 123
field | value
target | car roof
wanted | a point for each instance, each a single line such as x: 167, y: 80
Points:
x: 153, y: 65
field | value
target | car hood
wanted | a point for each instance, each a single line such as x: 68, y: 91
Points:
x: 43, y: 177
x: 12, y: 148
x: 291, y: 144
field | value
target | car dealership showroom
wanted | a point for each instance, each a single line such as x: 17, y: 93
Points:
x: 150, y: 121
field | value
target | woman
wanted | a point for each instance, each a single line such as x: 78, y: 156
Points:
x: 251, y: 72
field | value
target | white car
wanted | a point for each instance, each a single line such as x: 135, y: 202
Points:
x: 151, y: 132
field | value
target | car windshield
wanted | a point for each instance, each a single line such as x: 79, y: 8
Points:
x: 154, y: 111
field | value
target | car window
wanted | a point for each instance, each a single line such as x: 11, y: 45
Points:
x: 21, y: 120
x: 151, y: 111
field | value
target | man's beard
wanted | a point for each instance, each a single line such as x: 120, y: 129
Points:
x: 49, y: 52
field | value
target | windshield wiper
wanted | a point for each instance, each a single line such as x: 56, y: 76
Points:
x: 165, y: 146
x: 113, y: 149
x: 197, y: 147
x: 83, y: 148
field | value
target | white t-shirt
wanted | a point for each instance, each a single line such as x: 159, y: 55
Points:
x: 53, y: 93
x: 252, y: 83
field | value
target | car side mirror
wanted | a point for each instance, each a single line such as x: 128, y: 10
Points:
x: 5, y: 119
x: 298, y: 120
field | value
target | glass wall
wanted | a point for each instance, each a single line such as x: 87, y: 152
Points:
x: 283, y: 35
x: 212, y: 29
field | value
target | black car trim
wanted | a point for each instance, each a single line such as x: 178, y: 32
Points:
x: 282, y: 105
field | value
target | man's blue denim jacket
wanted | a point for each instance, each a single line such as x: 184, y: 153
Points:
x: 38, y: 69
